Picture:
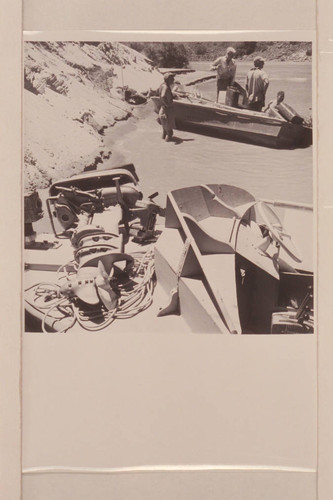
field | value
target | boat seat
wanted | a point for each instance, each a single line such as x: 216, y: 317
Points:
x: 213, y: 200
x: 202, y: 202
x: 216, y: 206
x: 191, y: 201
x: 206, y: 242
x: 219, y: 228
x: 233, y: 198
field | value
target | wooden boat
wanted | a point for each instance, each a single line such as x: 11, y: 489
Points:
x: 237, y: 124
x: 224, y: 261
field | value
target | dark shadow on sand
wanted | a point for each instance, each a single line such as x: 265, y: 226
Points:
x: 177, y: 140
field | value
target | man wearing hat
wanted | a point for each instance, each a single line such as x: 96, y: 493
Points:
x: 167, y: 113
x: 226, y: 70
x: 256, y: 85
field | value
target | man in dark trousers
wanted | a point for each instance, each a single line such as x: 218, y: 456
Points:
x: 226, y: 71
x: 256, y: 85
x: 167, y: 112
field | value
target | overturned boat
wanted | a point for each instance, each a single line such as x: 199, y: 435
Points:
x: 229, y: 265
x: 221, y: 262
x: 236, y: 123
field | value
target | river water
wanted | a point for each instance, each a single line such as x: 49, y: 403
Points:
x: 196, y: 159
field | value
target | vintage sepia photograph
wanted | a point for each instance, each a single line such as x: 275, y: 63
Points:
x: 167, y: 201
x: 168, y: 186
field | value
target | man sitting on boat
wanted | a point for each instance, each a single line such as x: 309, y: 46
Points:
x: 256, y: 85
x: 167, y: 113
x: 272, y: 107
x: 226, y: 71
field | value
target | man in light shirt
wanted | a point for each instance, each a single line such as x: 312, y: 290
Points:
x: 226, y: 71
x: 256, y: 85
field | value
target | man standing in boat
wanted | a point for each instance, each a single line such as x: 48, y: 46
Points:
x: 167, y: 112
x: 226, y: 71
x: 256, y: 85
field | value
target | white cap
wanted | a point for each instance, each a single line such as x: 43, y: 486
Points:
x: 231, y: 49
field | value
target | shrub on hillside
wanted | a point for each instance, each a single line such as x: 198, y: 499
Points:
x: 138, y: 46
x: 163, y: 54
x: 200, y: 49
x: 168, y: 55
x: 245, y: 48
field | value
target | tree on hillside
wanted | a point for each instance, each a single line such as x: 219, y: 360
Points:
x: 200, y: 48
x: 168, y: 55
x: 163, y: 54
x: 245, y: 48
x: 138, y: 46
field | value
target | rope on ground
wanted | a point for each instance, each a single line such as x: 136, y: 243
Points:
x: 135, y: 296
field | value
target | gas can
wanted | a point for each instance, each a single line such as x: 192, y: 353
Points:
x: 232, y: 96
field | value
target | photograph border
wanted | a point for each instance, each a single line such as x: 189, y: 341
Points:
x: 10, y: 341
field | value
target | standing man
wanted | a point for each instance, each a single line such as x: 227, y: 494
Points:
x: 226, y: 70
x: 167, y: 113
x: 256, y: 85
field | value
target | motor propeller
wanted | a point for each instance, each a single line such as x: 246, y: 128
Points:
x: 104, y: 290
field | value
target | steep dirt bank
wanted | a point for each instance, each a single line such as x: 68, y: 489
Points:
x: 72, y: 94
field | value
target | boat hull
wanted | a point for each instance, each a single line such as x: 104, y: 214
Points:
x: 220, y: 270
x: 238, y: 124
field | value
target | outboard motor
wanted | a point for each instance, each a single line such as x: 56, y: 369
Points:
x: 289, y: 113
x: 92, y: 194
x: 95, y: 253
x: 96, y: 250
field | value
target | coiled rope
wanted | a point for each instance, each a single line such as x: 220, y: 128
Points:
x: 135, y: 296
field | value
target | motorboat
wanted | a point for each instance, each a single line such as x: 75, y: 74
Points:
x: 201, y: 115
x: 215, y: 259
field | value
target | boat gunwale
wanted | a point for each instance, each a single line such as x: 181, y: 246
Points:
x: 248, y: 113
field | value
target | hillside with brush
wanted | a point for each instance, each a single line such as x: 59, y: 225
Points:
x: 169, y: 54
